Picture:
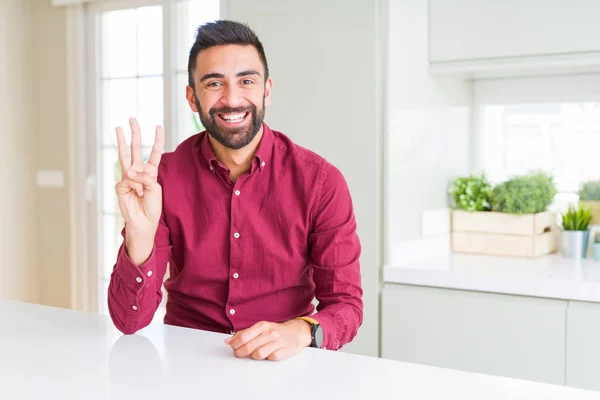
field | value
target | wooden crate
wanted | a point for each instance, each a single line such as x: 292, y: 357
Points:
x: 500, y: 234
x: 594, y: 205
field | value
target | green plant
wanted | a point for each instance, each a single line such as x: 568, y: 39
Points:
x: 471, y: 193
x: 576, y: 219
x: 526, y: 194
x: 590, y: 191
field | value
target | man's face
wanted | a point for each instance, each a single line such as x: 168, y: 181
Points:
x: 231, y: 93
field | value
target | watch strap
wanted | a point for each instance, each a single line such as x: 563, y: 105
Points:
x: 314, y: 328
x: 310, y: 320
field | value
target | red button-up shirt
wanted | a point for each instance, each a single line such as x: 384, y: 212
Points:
x: 260, y: 249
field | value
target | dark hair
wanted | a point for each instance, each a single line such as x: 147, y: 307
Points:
x: 220, y: 33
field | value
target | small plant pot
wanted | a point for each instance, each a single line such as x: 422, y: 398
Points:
x: 575, y: 243
x: 596, y: 251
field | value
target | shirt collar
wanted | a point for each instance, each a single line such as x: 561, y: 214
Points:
x: 262, y: 155
x: 265, y: 147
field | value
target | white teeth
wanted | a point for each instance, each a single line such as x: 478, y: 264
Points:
x: 233, y: 117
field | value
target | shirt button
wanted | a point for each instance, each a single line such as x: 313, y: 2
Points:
x: 237, y: 192
x: 236, y: 235
x: 233, y: 332
x: 138, y: 279
x: 232, y: 311
x: 263, y: 163
x: 236, y: 275
x: 134, y: 308
x: 211, y: 168
x: 149, y: 273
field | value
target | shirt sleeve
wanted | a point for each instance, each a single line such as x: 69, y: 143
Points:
x: 334, y: 254
x: 135, y: 292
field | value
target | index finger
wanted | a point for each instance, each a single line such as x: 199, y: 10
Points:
x: 124, y: 156
x: 245, y: 336
x: 158, y: 148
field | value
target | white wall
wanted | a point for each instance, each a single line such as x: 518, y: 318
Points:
x: 429, y: 125
x: 50, y: 93
x: 325, y: 58
x: 18, y: 151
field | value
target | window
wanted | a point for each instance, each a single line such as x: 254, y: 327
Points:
x: 135, y: 72
x: 532, y: 129
x: 190, y: 15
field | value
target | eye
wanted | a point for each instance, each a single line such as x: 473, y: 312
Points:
x: 214, y: 84
x: 247, y: 82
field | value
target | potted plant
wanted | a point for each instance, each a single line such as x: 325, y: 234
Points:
x: 589, y: 197
x: 575, y: 223
x: 510, y: 219
x: 526, y: 194
x: 471, y: 193
x: 596, y: 247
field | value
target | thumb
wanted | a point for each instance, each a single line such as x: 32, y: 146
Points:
x: 127, y: 185
x: 146, y: 179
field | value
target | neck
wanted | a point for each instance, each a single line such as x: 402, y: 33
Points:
x: 237, y: 161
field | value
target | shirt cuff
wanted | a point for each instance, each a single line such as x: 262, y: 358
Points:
x: 330, y: 341
x: 134, y: 276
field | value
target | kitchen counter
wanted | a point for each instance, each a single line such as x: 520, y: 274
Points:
x: 51, y: 353
x: 552, y: 276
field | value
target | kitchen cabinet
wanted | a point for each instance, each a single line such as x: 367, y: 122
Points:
x: 513, y: 31
x: 583, y: 345
x: 507, y: 335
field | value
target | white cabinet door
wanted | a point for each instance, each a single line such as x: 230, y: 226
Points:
x: 463, y: 30
x: 583, y: 345
x: 512, y: 336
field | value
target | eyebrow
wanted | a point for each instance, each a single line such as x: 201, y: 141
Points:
x: 221, y: 76
x: 248, y: 72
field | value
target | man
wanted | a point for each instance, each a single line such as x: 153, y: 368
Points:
x: 253, y: 226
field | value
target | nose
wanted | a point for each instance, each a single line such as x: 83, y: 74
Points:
x: 232, y: 96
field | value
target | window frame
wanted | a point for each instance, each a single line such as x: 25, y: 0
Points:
x: 522, y: 90
x: 89, y: 274
x: 554, y: 88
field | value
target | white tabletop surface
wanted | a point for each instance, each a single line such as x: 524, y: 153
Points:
x: 552, y: 276
x: 51, y: 353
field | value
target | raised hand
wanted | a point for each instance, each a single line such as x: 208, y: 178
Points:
x: 138, y: 192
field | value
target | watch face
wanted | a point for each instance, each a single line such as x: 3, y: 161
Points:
x: 318, y: 337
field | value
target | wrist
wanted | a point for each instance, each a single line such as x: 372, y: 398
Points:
x: 141, y: 233
x: 304, y: 332
x: 139, y: 247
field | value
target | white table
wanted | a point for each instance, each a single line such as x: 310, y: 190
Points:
x: 50, y: 353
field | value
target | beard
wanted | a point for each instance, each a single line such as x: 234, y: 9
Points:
x: 232, y: 137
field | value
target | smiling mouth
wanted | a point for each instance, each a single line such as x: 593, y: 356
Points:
x: 233, y: 118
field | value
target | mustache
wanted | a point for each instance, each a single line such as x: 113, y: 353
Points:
x: 229, y: 110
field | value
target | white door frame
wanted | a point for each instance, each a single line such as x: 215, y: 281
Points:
x: 84, y: 108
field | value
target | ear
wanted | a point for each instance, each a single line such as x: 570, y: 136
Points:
x: 268, y: 86
x: 190, y: 96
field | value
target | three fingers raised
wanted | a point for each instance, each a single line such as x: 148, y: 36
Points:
x: 133, y: 159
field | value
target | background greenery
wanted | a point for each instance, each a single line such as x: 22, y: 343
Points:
x: 576, y: 219
x: 472, y: 193
x: 590, y: 191
x: 526, y: 194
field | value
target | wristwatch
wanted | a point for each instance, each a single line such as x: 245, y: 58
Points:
x: 316, y: 331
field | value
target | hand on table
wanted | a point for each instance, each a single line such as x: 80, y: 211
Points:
x: 271, y: 341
